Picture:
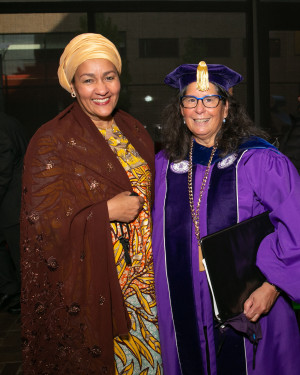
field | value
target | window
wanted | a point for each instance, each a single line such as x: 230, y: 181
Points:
x: 21, y: 52
x: 208, y: 47
x: 30, y: 48
x: 151, y: 45
x: 158, y: 47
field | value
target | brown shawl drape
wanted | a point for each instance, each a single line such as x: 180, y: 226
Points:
x: 72, y: 305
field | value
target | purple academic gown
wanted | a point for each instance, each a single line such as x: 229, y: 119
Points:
x: 265, y: 180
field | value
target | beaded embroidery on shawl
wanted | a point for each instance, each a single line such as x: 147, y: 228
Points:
x: 57, y: 186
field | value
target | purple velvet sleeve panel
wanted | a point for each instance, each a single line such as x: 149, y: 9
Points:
x: 165, y: 317
x: 268, y: 180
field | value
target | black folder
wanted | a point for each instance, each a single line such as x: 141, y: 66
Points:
x: 230, y: 263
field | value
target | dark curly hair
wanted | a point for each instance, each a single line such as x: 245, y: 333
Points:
x: 176, y: 136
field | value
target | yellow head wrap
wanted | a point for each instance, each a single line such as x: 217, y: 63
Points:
x: 84, y: 47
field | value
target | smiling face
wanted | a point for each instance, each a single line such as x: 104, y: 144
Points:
x: 97, y: 87
x: 203, y: 122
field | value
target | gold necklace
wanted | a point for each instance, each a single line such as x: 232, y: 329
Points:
x: 195, y: 213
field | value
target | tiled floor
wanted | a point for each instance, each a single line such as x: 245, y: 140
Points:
x: 10, y: 344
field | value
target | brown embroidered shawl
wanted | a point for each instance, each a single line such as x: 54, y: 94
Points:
x: 72, y: 305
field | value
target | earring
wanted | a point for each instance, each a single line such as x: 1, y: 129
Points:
x: 73, y: 94
x: 224, y: 120
x: 183, y: 120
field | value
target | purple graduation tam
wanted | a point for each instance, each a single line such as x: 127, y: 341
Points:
x: 201, y: 73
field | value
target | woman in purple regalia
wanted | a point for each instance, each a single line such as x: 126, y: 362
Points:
x: 217, y: 169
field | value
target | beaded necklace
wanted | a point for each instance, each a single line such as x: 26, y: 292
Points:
x: 195, y: 213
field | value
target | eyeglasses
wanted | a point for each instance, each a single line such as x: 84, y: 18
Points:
x: 209, y: 101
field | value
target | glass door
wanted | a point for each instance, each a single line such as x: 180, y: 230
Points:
x: 30, y: 48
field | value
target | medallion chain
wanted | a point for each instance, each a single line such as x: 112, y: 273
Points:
x: 195, y: 213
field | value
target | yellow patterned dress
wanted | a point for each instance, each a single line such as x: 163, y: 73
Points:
x: 139, y: 353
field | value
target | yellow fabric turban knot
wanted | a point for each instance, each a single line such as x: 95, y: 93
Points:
x: 85, y: 47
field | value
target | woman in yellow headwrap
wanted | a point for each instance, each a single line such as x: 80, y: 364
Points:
x: 88, y: 302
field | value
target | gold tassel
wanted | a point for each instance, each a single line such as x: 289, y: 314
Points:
x: 202, y: 77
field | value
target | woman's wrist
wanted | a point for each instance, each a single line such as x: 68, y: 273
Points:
x: 278, y: 290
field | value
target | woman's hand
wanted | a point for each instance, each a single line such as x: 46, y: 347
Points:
x: 260, y: 301
x: 124, y: 207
